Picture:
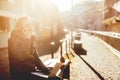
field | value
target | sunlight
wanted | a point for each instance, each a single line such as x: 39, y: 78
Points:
x: 98, y: 0
x: 63, y: 5
x: 66, y: 5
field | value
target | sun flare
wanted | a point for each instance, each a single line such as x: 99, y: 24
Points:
x: 63, y: 5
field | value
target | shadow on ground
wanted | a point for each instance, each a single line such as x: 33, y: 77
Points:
x: 80, y: 51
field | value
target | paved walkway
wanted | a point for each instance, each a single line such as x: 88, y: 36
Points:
x: 99, y: 63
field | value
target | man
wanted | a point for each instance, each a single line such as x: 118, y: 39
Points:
x: 23, y: 57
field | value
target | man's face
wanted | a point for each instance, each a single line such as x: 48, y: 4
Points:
x: 28, y: 26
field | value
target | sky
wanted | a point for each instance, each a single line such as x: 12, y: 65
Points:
x: 65, y: 5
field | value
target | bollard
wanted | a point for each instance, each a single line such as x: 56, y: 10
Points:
x: 66, y: 46
x: 69, y: 41
x: 61, y: 59
x: 61, y: 48
x: 52, y: 45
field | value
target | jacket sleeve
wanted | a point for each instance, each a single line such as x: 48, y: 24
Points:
x: 38, y: 61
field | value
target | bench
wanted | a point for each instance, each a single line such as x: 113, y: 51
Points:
x: 59, y: 70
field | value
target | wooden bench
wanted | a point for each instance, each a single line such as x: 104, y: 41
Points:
x: 59, y: 70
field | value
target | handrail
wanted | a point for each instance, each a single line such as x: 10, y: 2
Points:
x: 105, y: 33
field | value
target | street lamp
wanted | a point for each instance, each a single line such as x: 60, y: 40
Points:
x: 65, y: 30
x: 66, y: 36
x: 52, y: 45
x: 71, y: 23
x: 71, y: 36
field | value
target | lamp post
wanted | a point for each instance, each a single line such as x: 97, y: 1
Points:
x: 71, y: 23
x: 71, y: 36
x: 66, y: 36
x: 52, y: 48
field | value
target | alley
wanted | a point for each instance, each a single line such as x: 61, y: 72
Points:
x: 99, y: 63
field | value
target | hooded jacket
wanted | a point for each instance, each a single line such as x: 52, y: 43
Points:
x: 23, y: 55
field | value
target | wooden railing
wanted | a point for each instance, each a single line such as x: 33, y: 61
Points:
x: 111, y: 38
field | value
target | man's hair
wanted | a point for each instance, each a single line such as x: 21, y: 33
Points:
x: 20, y: 23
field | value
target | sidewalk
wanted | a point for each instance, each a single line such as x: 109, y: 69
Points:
x: 101, y: 58
x: 99, y: 63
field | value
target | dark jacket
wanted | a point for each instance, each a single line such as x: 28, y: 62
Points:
x: 23, y: 55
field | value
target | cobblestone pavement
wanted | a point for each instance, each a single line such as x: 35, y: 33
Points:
x: 99, y: 63
x: 101, y: 58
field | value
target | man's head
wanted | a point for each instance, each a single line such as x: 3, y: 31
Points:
x: 24, y: 24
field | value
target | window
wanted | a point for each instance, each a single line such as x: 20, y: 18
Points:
x: 4, y: 24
